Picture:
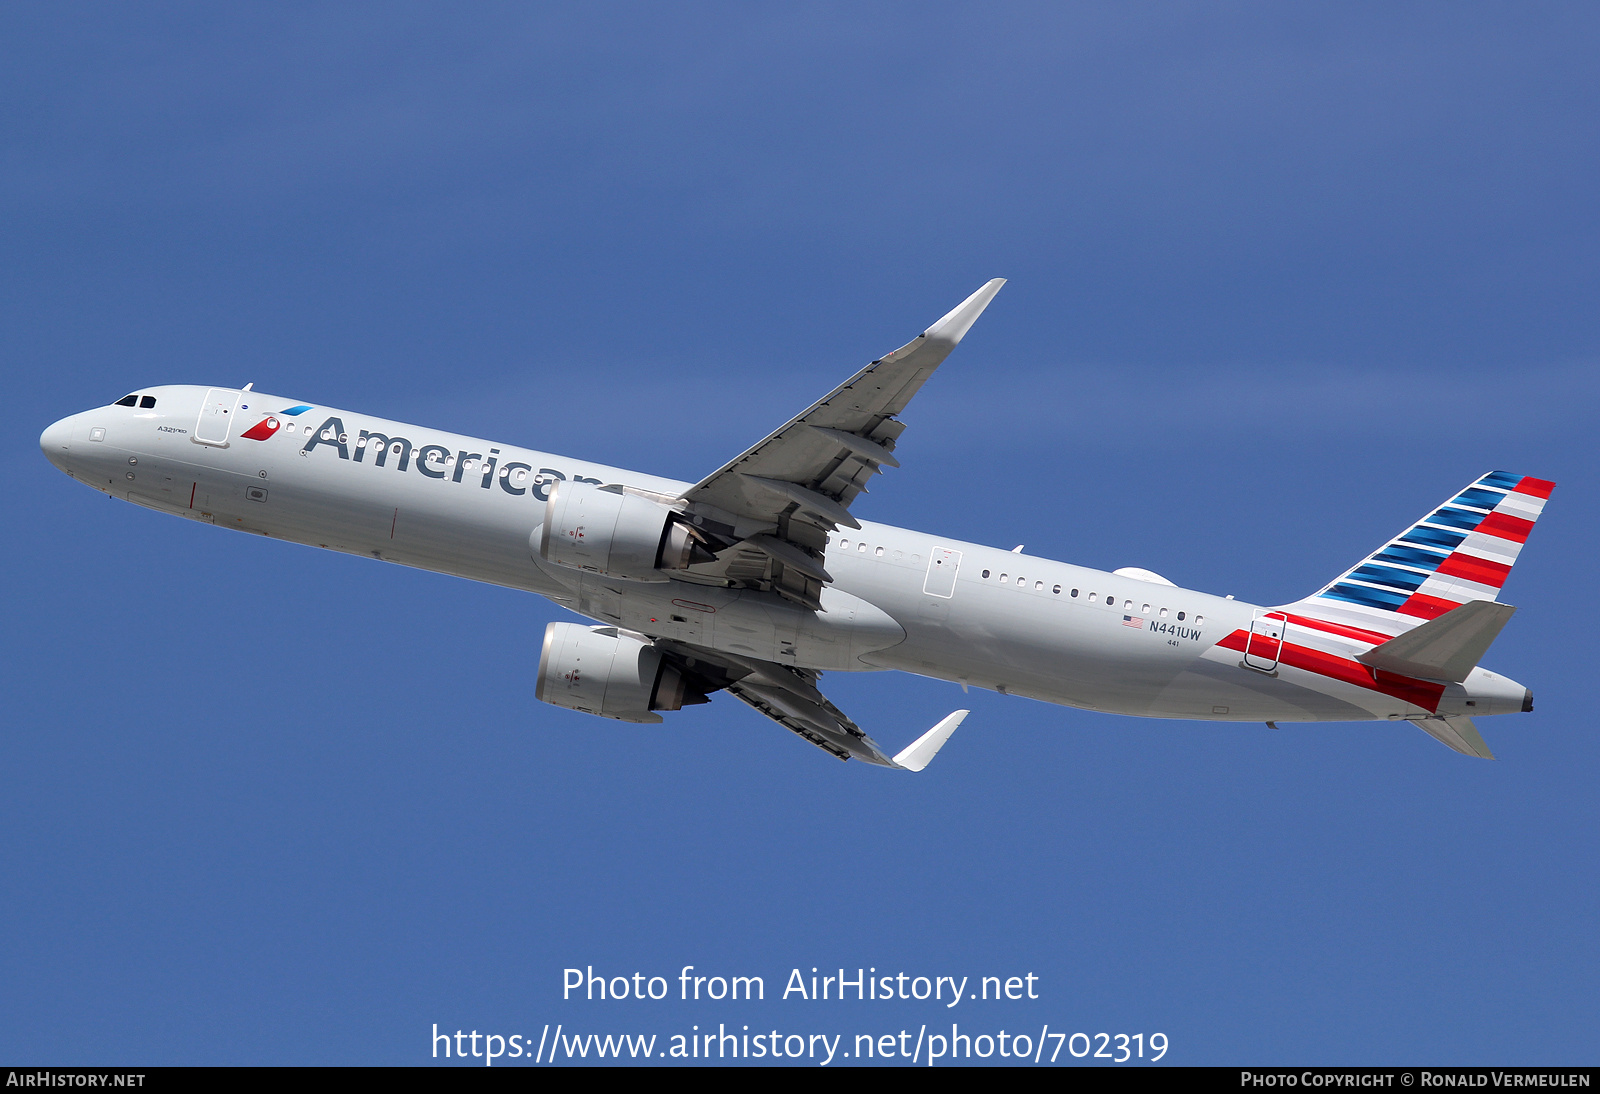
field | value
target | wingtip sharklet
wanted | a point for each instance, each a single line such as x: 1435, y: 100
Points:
x: 954, y: 326
x: 920, y: 752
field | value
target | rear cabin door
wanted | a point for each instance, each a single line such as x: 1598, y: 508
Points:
x: 1265, y: 644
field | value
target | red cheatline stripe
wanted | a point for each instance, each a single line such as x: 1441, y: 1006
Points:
x: 1423, y: 606
x: 1339, y: 628
x: 1506, y: 526
x: 1416, y: 692
x: 1539, y: 488
x: 1480, y: 570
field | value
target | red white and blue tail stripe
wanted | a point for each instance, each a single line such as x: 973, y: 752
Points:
x: 1462, y: 551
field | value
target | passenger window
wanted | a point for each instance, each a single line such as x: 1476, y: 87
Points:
x: 1057, y: 589
x: 1180, y: 617
x: 147, y: 402
x: 1163, y: 613
x: 878, y: 552
x: 1128, y: 604
x: 1074, y: 592
x: 1003, y: 577
x: 1039, y: 585
x: 1022, y: 581
x: 127, y: 400
x: 845, y: 544
x: 1146, y: 609
x: 1199, y: 619
x: 862, y: 547
x: 1091, y: 598
x: 986, y: 573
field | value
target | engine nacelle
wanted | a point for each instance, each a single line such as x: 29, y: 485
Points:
x: 600, y: 670
x: 605, y: 531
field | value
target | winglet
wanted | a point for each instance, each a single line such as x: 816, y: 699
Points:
x: 920, y: 752
x: 956, y: 324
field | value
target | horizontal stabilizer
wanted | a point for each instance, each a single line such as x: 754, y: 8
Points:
x: 1446, y: 648
x: 919, y: 753
x: 1457, y: 733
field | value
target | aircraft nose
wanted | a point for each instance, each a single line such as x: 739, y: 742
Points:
x: 56, y: 441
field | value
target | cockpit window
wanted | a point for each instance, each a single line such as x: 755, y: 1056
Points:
x: 127, y: 400
x: 147, y: 402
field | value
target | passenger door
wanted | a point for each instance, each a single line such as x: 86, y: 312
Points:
x: 943, y: 564
x: 1265, y: 644
x: 216, y: 417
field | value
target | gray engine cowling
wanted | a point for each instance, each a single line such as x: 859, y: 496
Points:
x: 604, y: 671
x: 605, y: 531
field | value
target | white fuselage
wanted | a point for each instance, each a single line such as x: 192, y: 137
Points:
x: 1008, y: 622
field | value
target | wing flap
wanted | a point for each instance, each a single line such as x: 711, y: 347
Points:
x: 790, y: 697
x: 790, y: 555
x: 812, y: 722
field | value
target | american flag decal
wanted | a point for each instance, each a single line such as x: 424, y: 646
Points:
x: 1132, y: 621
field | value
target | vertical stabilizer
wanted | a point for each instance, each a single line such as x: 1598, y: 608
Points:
x: 1461, y: 552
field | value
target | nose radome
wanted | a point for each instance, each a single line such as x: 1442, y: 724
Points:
x: 56, y: 441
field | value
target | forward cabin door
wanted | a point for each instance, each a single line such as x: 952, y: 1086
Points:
x: 216, y: 417
x: 1265, y: 644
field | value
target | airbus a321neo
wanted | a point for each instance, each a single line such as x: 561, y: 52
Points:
x: 758, y: 579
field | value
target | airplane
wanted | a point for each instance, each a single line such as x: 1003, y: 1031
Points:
x: 758, y: 579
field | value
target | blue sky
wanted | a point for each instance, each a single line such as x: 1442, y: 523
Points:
x: 1281, y: 279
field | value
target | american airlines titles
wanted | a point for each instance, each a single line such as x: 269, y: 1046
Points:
x: 436, y: 461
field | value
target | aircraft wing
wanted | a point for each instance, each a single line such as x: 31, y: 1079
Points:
x: 790, y: 697
x: 767, y: 514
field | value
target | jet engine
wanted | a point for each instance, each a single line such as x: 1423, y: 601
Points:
x: 601, y: 670
x: 606, y: 531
